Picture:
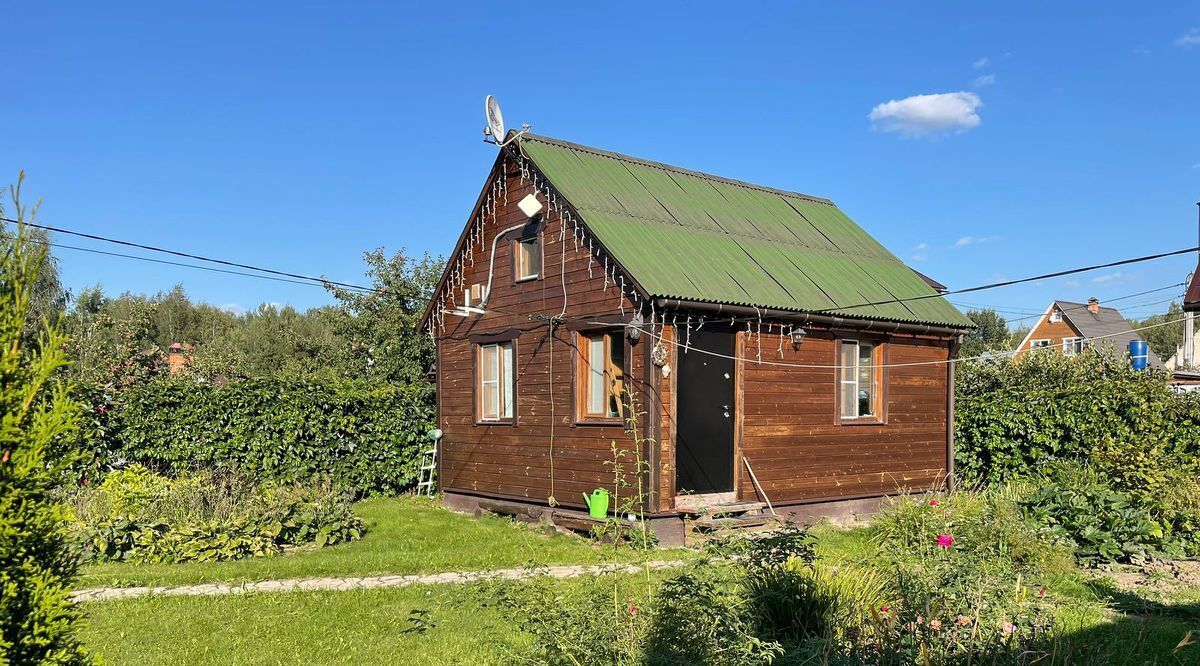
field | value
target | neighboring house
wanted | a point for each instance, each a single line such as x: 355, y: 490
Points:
x: 178, y: 357
x: 1072, y: 327
x: 758, y: 330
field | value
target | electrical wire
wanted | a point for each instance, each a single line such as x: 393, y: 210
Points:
x: 1009, y: 283
x: 982, y: 357
x: 188, y: 255
x: 174, y: 263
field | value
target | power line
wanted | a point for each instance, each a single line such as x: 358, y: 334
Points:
x: 188, y: 255
x: 1009, y: 283
x: 988, y: 356
x: 175, y: 263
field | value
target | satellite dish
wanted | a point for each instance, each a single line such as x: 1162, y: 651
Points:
x: 495, y: 119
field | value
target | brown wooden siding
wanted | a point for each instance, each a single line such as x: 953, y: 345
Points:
x: 800, y: 450
x: 1054, y: 331
x: 515, y: 460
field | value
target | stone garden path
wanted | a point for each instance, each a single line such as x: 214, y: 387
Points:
x: 362, y: 583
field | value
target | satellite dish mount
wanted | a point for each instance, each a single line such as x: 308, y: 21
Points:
x: 494, y: 132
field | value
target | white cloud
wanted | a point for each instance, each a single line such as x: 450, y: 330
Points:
x: 919, y: 256
x: 922, y: 246
x: 1073, y: 284
x: 234, y: 309
x: 985, y: 80
x: 1189, y: 39
x: 1108, y: 277
x: 921, y: 115
x: 981, y: 63
x: 1196, y: 165
x: 973, y: 240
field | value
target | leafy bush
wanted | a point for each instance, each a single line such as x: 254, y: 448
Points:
x: 1104, y: 522
x: 1012, y: 418
x: 137, y: 515
x: 365, y: 437
x: 37, y: 620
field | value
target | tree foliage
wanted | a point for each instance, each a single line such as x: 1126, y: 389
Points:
x: 379, y: 327
x: 36, y: 565
x: 990, y: 334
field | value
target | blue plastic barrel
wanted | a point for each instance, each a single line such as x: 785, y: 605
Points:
x: 1139, y: 354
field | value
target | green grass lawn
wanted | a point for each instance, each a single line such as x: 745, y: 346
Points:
x: 354, y: 627
x: 376, y: 626
x: 406, y: 535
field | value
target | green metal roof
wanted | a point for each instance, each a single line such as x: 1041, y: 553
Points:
x: 688, y: 235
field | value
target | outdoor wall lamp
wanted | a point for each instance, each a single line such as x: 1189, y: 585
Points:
x: 797, y: 337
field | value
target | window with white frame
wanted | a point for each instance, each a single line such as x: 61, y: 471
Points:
x: 1055, y: 316
x: 1039, y: 343
x: 496, y: 388
x: 859, y: 380
x: 1072, y: 346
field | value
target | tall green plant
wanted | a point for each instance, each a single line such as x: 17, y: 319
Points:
x: 37, y: 620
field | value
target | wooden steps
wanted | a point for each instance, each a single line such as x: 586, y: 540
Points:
x: 709, y: 520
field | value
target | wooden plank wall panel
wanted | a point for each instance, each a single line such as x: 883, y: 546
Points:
x: 514, y: 460
x: 800, y: 451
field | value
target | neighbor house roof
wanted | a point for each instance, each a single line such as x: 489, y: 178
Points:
x: 1191, y: 298
x: 693, y: 236
x: 1108, y: 325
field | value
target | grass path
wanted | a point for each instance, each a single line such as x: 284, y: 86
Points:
x: 407, y: 535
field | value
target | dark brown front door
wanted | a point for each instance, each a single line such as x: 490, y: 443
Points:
x: 705, y: 414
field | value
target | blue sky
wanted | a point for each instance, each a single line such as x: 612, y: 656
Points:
x: 976, y: 143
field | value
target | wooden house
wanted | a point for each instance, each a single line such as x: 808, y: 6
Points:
x: 1070, y: 328
x: 772, y: 350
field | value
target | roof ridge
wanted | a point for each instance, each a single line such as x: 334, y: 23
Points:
x: 680, y: 170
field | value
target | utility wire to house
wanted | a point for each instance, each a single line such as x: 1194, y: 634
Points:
x: 189, y: 255
x: 982, y: 357
x: 180, y: 264
x: 298, y: 278
x: 1009, y: 283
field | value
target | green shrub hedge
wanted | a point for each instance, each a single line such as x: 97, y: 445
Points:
x: 365, y: 437
x: 1012, y: 418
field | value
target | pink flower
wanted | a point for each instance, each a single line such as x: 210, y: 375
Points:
x: 920, y: 619
x: 885, y: 608
x: 935, y: 625
x: 933, y: 502
x: 1008, y: 628
x: 963, y: 620
x: 1041, y: 591
x: 945, y: 541
x: 633, y: 609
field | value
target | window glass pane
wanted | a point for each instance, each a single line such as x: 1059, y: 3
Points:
x: 595, y: 359
x: 848, y: 382
x: 849, y: 403
x: 528, y: 258
x: 506, y: 379
x: 488, y: 363
x: 866, y: 379
x: 616, y: 372
x: 849, y: 354
x: 491, y: 402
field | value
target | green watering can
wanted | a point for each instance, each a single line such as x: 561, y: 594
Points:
x: 597, y: 503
